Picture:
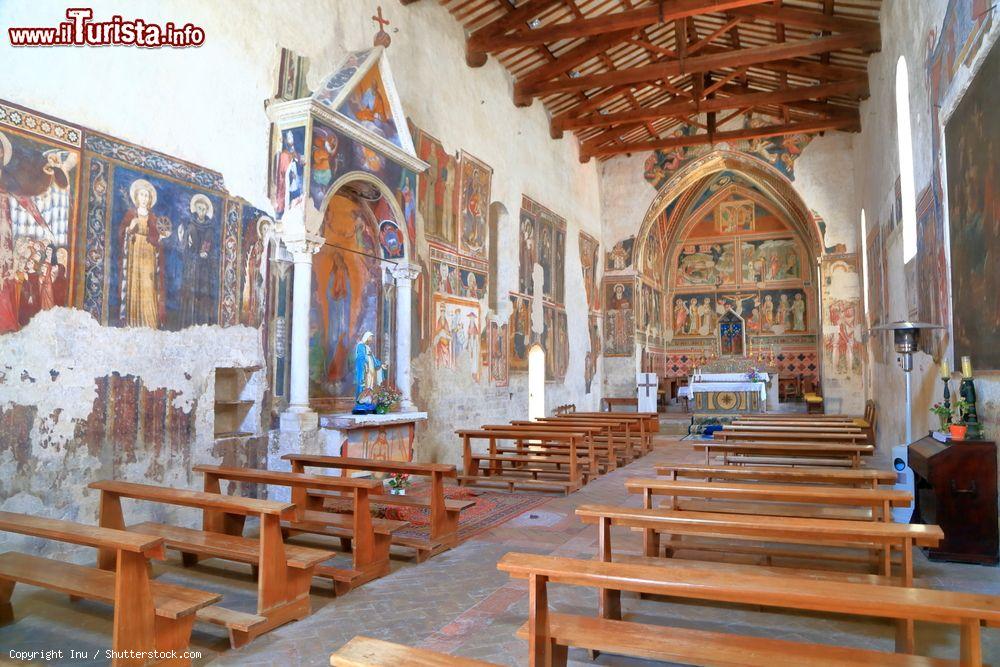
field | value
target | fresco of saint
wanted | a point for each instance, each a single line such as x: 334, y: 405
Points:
x: 142, y: 277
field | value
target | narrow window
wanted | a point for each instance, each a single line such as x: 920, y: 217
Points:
x: 536, y: 382
x: 905, y: 137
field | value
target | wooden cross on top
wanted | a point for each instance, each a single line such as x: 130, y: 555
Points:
x: 381, y: 37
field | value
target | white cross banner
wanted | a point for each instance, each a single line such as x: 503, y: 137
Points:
x: 647, y: 385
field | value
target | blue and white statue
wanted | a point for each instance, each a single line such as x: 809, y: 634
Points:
x: 368, y: 372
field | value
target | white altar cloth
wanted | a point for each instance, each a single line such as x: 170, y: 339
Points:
x: 716, y: 386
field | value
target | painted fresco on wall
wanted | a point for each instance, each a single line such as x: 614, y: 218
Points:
x: 543, y: 242
x: 163, y: 253
x: 520, y: 332
x: 706, y: 264
x: 972, y: 138
x: 457, y: 335
x: 327, y: 160
x: 39, y: 184
x: 368, y: 105
x: 593, y: 351
x: 619, y: 318
x: 589, y: 254
x: 474, y: 178
x: 447, y: 279
x: 779, y: 152
x: 619, y: 257
x: 773, y: 311
x: 562, y: 344
x: 436, y: 187
x: 254, y: 268
x: 735, y: 216
x: 390, y: 240
x: 498, y: 349
x: 287, y: 168
x: 932, y: 295
x: 694, y: 315
x: 842, y: 338
x: 346, y: 298
x: 390, y: 443
x: 770, y: 260
x: 651, y: 316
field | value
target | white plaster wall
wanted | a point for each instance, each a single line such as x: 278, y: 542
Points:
x: 907, y: 28
x: 206, y: 105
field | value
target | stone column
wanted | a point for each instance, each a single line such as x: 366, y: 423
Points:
x: 404, y: 273
x: 299, y: 416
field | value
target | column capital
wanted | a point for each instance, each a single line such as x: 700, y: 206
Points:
x: 405, y: 271
x: 303, y: 244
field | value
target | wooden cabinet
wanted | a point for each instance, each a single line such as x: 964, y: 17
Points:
x: 956, y: 488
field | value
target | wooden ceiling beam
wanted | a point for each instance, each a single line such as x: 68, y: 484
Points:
x: 854, y: 87
x: 801, y: 18
x: 865, y: 41
x: 853, y: 123
x: 715, y: 34
x: 666, y: 10
x: 476, y: 57
x: 567, y: 62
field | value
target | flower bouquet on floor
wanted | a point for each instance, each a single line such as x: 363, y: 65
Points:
x: 386, y: 396
x: 397, y: 483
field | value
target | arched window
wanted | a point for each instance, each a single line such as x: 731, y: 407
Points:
x: 905, y: 138
x: 536, y: 382
x: 864, y: 264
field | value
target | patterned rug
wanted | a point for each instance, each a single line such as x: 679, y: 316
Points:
x: 490, y: 510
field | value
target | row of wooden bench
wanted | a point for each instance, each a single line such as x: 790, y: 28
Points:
x: 560, y: 453
x: 152, y: 616
x: 807, y: 529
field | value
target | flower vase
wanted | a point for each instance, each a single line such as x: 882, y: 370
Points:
x: 958, y: 431
x: 393, y: 491
x: 944, y: 423
x: 381, y: 409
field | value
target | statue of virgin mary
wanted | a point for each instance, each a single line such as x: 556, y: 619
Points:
x: 367, y: 369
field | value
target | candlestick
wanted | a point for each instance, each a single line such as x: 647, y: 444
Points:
x: 967, y: 367
x: 945, y: 371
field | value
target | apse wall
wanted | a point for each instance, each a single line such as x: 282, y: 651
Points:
x: 206, y: 106
x: 820, y: 173
x: 944, y: 43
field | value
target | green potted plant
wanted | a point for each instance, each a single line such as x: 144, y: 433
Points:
x: 943, y: 413
x: 385, y: 396
x: 958, y: 426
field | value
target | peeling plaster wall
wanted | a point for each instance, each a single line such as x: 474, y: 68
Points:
x: 80, y: 402
x: 206, y: 105
x: 823, y: 178
x: 911, y: 29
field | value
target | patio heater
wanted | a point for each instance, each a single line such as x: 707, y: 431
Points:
x: 905, y: 335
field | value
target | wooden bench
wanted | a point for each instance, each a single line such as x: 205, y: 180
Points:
x: 367, y: 538
x: 611, y: 402
x: 861, y: 477
x: 616, y: 430
x: 284, y: 571
x: 495, y: 473
x: 587, y: 450
x: 602, y: 437
x: 550, y: 634
x: 644, y: 423
x: 790, y: 433
x: 444, y: 513
x: 773, y: 499
x: 368, y: 652
x: 812, y: 453
x: 148, y: 616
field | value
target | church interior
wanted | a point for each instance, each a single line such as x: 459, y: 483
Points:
x: 500, y: 332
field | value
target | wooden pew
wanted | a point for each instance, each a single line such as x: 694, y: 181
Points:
x: 368, y: 652
x: 284, y: 571
x: 616, y: 430
x: 883, y: 536
x: 367, y: 538
x: 773, y: 499
x: 444, y: 513
x: 534, y: 466
x: 148, y: 615
x: 550, y: 634
x: 861, y: 477
x: 594, y: 455
x: 810, y: 453
x: 791, y: 433
x: 646, y: 423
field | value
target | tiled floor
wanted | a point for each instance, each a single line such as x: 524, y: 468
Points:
x: 458, y: 602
